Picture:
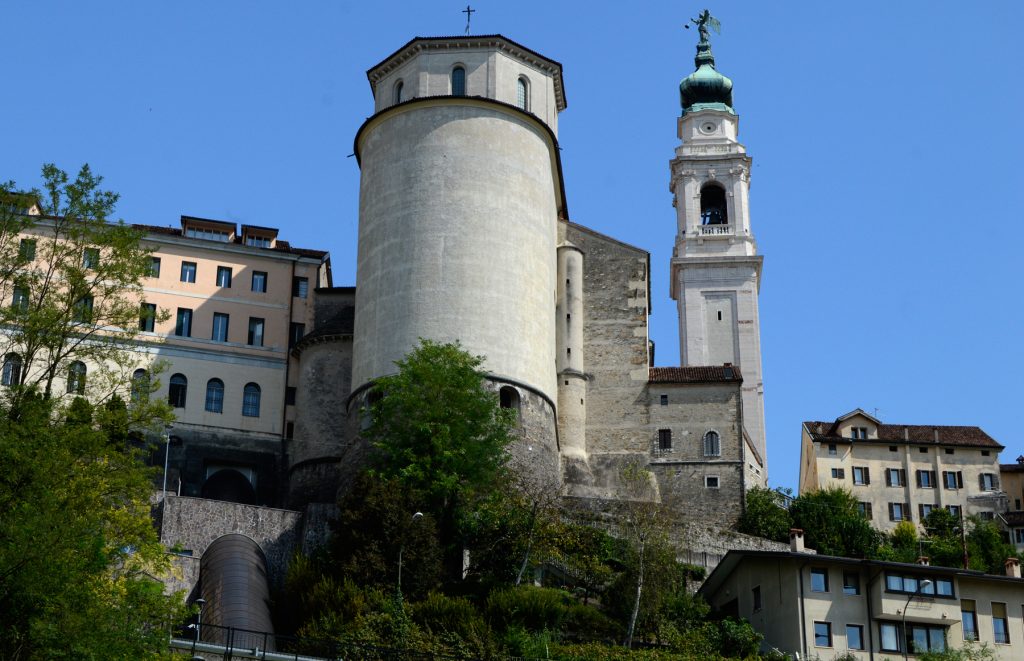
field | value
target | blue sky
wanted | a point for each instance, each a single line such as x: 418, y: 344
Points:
x: 887, y: 187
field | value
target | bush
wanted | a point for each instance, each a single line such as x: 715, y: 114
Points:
x: 453, y: 619
x: 528, y: 607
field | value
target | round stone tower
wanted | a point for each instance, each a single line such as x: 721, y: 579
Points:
x: 460, y: 195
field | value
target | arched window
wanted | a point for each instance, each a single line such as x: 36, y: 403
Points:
x: 712, y: 444
x: 251, y: 400
x: 140, y: 385
x: 11, y: 375
x: 508, y: 397
x: 215, y: 396
x: 76, y: 378
x: 523, y: 93
x: 458, y: 81
x: 178, y: 391
x: 398, y: 92
x: 712, y: 205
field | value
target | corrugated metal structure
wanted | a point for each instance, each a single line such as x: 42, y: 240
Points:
x: 233, y: 581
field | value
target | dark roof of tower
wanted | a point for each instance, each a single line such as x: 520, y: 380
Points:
x: 695, y: 374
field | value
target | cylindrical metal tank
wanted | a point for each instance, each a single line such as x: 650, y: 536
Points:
x: 233, y: 581
x: 458, y: 207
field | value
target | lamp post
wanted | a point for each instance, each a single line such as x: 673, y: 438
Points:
x: 906, y: 639
x: 415, y: 517
x: 199, y: 623
x: 167, y: 456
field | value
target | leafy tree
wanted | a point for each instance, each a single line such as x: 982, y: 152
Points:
x: 987, y: 548
x: 764, y: 515
x: 832, y: 525
x: 75, y: 277
x: 78, y: 552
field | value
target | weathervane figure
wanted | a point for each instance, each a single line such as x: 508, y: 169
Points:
x: 468, y: 11
x: 703, y: 22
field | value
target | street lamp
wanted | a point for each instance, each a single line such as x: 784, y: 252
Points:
x: 415, y: 517
x: 199, y: 623
x: 167, y: 456
x: 906, y: 639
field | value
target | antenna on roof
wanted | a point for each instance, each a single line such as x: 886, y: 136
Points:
x: 876, y: 411
x: 468, y: 11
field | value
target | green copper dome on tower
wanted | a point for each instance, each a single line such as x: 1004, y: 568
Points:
x: 705, y: 88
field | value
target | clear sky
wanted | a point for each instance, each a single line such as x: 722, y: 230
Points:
x: 887, y: 187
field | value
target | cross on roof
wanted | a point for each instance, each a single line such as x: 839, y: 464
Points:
x: 468, y: 11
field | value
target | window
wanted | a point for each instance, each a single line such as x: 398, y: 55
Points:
x: 908, y: 584
x: 259, y: 282
x: 985, y: 453
x: 257, y: 241
x: 713, y: 210
x: 178, y: 391
x: 924, y: 509
x: 140, y: 385
x: 969, y: 619
x: 819, y: 580
x: 20, y: 301
x: 926, y: 479
x: 890, y: 637
x: 398, y: 92
x: 865, y: 510
x: 83, y: 310
x: 523, y: 93
x: 300, y: 287
x: 11, y: 375
x: 255, y: 332
x: 289, y: 430
x: 508, y: 398
x: 27, y: 250
x: 154, y: 267
x: 954, y: 510
x: 859, y: 433
x: 215, y: 396
x: 664, y: 440
x: 823, y: 634
x: 220, y: 327
x: 251, y: 401
x: 899, y: 512
x: 289, y: 396
x: 851, y: 583
x: 90, y: 258
x: 147, y: 317
x: 949, y: 450
x: 861, y: 476
x: 895, y: 477
x: 711, y: 481
x: 188, y: 271
x: 893, y: 448
x: 855, y: 636
x: 953, y: 479
x: 943, y: 587
x: 76, y: 378
x: 664, y: 402
x: 458, y: 81
x: 923, y: 450
x: 989, y: 481
x: 924, y: 638
x: 756, y: 597
x: 295, y: 333
x: 183, y: 323
x: 1018, y: 535
x: 207, y: 234
x: 224, y: 276
x: 1000, y: 630
x: 838, y: 473
x: 712, y: 444
x: 832, y: 450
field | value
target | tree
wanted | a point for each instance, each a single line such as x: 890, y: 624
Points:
x: 832, y: 524
x: 79, y: 558
x: 75, y: 281
x: 764, y: 516
x: 439, y: 431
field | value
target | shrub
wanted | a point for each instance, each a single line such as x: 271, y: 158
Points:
x: 528, y: 607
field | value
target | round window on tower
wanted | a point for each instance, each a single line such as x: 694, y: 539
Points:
x: 708, y: 127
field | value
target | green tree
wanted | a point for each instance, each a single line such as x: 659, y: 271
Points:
x: 75, y: 279
x: 79, y: 558
x: 764, y: 516
x: 832, y: 524
x: 439, y: 431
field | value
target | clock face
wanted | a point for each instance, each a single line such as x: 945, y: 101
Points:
x: 708, y: 127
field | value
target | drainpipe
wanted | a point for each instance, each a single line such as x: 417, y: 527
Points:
x: 287, y: 370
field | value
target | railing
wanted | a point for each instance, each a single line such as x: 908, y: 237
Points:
x: 716, y: 230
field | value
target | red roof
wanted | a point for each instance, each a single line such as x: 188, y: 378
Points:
x: 695, y: 374
x: 915, y: 434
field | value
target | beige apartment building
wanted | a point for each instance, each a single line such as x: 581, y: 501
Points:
x: 237, y: 300
x: 823, y: 606
x: 903, y: 472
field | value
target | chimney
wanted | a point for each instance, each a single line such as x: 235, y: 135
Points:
x: 796, y: 540
x: 924, y: 560
x: 1013, y: 567
x: 906, y: 433
x: 936, y: 435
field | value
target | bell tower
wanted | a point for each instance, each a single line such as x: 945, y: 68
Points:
x: 716, y: 271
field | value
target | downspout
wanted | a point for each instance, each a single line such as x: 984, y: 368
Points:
x: 803, y: 616
x: 285, y: 454
x: 871, y: 637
